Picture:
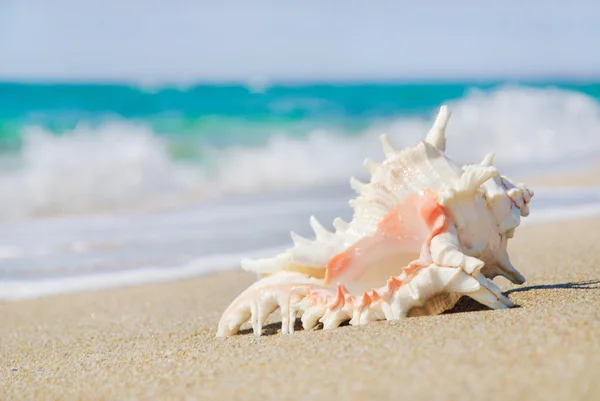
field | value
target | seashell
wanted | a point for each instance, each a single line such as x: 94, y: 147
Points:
x: 424, y: 233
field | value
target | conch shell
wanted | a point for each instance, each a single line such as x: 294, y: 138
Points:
x: 424, y: 233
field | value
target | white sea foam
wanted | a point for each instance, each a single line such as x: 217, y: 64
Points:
x: 115, y: 166
x: 124, y: 165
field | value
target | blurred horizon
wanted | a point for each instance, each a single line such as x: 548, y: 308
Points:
x: 261, y: 84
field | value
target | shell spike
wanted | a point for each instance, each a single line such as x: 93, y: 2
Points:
x: 320, y: 231
x: 299, y: 240
x: 474, y: 176
x: 339, y: 224
x: 437, y: 134
x: 480, y: 174
x: 370, y: 165
x: 509, y: 272
x: 386, y: 144
x: 358, y: 186
x: 488, y: 160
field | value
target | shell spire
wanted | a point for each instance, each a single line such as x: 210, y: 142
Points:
x: 488, y: 160
x: 358, y: 186
x: 320, y: 231
x: 370, y: 165
x: 437, y: 134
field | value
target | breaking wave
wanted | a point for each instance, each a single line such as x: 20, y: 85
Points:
x: 125, y: 165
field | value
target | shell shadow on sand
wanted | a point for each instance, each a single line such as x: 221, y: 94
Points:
x: 465, y: 304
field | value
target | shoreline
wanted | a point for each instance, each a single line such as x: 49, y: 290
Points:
x: 554, y: 209
x: 158, y: 340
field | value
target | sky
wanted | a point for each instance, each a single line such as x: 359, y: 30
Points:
x: 189, y: 41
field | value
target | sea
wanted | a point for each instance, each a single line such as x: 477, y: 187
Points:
x: 107, y: 185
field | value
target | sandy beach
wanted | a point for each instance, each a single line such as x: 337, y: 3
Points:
x: 158, y: 341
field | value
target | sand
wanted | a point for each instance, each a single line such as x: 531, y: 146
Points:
x: 586, y: 177
x: 158, y: 341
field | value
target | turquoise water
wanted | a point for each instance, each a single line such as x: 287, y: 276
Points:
x: 231, y: 114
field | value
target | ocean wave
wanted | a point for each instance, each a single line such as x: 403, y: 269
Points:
x: 111, y: 167
x: 123, y: 165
